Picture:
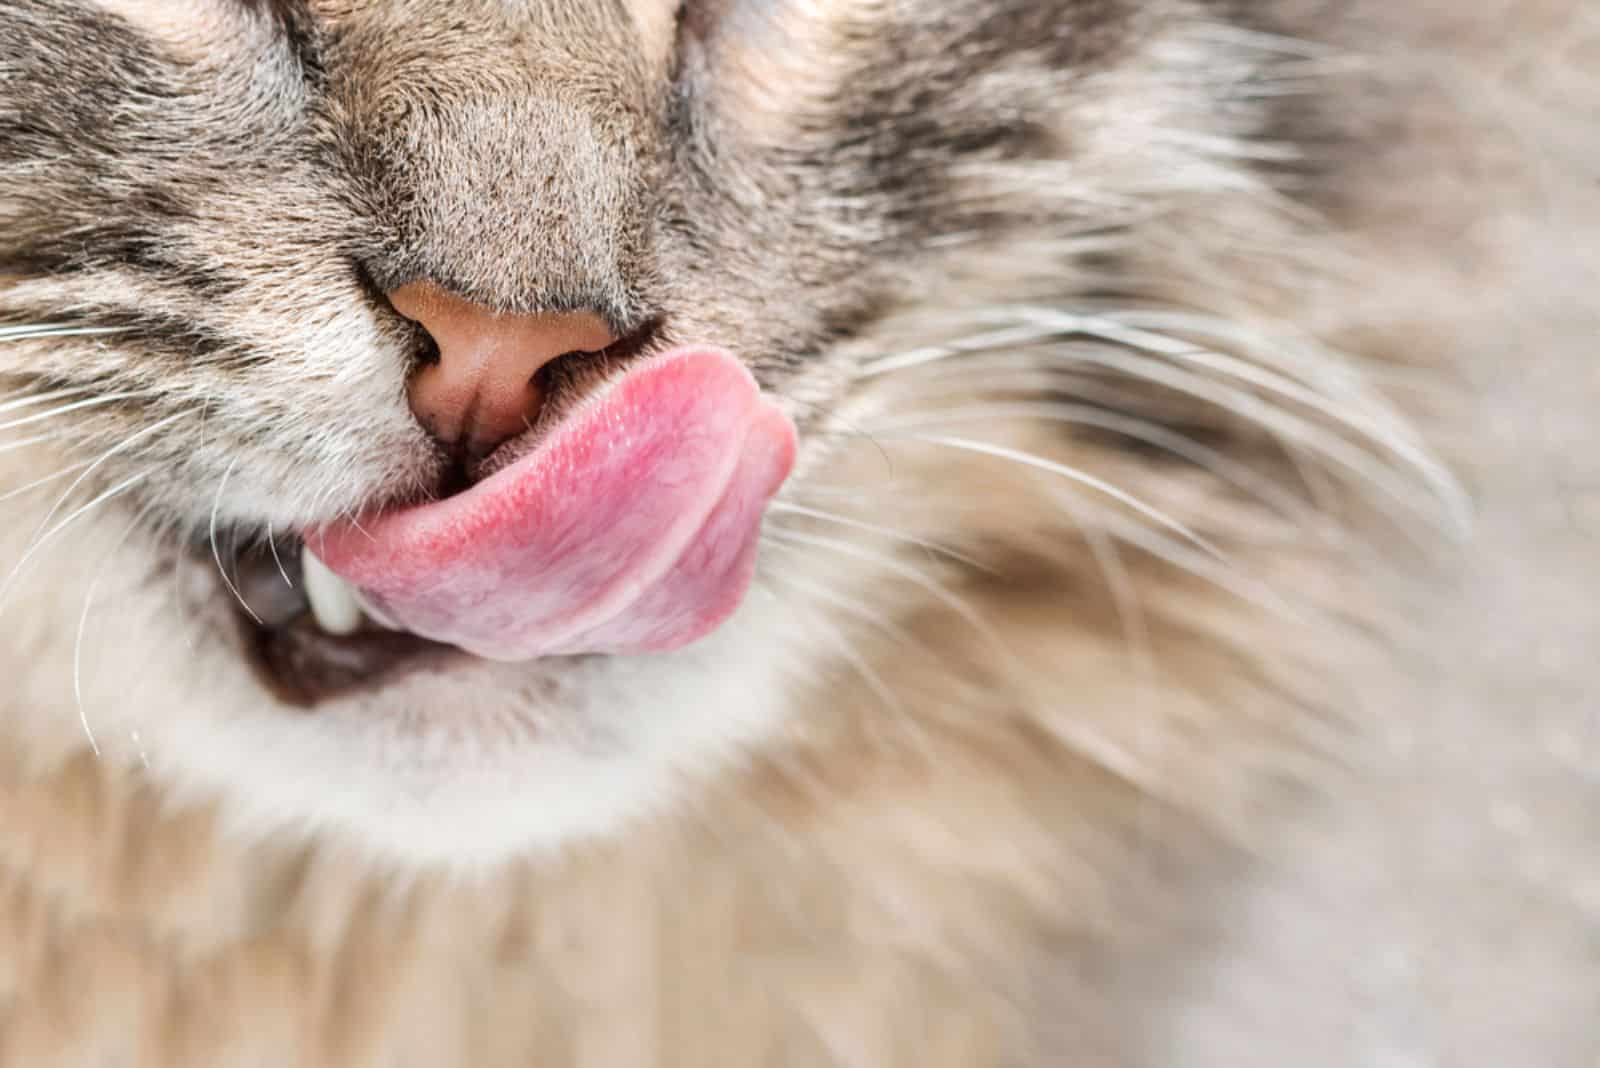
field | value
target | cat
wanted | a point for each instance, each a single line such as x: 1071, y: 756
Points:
x: 710, y: 531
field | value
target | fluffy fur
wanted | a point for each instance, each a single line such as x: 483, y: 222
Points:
x: 1119, y: 334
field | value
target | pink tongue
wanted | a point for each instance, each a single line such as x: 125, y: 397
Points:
x: 633, y: 528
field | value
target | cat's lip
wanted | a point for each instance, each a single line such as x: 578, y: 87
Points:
x: 631, y: 528
x: 671, y: 578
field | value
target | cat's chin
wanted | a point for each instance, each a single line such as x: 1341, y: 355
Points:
x: 460, y: 764
x: 464, y: 763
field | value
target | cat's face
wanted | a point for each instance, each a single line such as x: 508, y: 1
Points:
x: 216, y: 216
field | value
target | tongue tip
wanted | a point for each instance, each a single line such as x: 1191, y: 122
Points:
x: 779, y: 431
x: 448, y: 567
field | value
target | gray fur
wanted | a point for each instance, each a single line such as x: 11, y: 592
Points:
x: 1133, y: 488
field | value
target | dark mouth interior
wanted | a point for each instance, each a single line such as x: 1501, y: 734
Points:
x: 295, y: 659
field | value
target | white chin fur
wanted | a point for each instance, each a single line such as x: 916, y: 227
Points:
x: 476, y: 764
x: 484, y: 762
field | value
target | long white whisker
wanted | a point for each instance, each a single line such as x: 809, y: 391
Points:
x: 1072, y: 474
x: 272, y: 547
x: 1385, y: 427
x: 24, y: 333
x: 11, y: 446
x: 1291, y: 429
x: 984, y: 342
x: 40, y: 398
x: 92, y: 402
x: 66, y: 494
x: 1251, y: 407
x: 120, y: 447
x: 847, y: 650
x: 49, y: 536
x: 216, y: 554
x: 120, y: 487
x: 859, y: 609
x: 1122, y: 333
x: 77, y: 668
x: 36, y: 483
x: 1332, y: 377
x: 1261, y: 40
x: 785, y: 507
x: 1231, y: 471
x: 1221, y: 574
x: 1119, y: 584
x: 790, y: 538
x: 83, y: 623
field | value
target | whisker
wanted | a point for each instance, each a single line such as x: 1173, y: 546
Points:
x: 1384, y: 426
x: 36, y: 483
x: 216, y: 554
x: 1355, y: 410
x: 1251, y: 407
x: 1290, y: 429
x: 1120, y: 586
x: 1236, y: 474
x: 272, y: 547
x: 985, y: 342
x: 233, y: 553
x: 38, y: 537
x: 126, y: 484
x: 785, y: 507
x: 356, y: 522
x: 846, y: 649
x: 24, y: 333
x: 121, y: 446
x: 11, y: 446
x: 791, y: 538
x: 1073, y: 474
x: 83, y: 623
x: 860, y: 609
x: 1219, y: 573
x: 850, y: 493
x: 842, y: 428
x: 92, y: 402
x: 1261, y: 40
x: 40, y: 398
x: 40, y: 542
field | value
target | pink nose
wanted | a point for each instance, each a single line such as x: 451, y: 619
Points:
x: 481, y: 391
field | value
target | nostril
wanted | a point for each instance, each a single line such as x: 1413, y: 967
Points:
x: 424, y: 349
x: 479, y: 371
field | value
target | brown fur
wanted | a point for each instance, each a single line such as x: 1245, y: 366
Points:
x: 974, y: 815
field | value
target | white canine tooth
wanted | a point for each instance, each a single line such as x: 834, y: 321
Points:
x: 333, y: 602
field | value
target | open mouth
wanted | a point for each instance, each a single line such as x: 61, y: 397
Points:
x: 305, y: 634
x: 630, y: 528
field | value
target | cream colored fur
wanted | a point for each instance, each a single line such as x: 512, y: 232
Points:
x: 944, y: 876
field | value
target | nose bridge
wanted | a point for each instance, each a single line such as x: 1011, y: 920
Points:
x: 520, y: 203
x: 506, y: 158
x: 482, y: 388
x: 500, y: 170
